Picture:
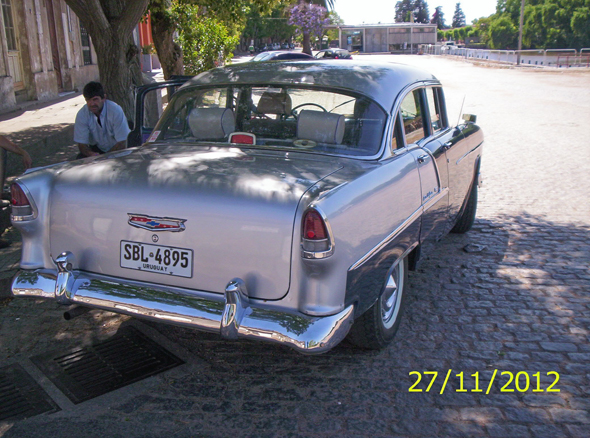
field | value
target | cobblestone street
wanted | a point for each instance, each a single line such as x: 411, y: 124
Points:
x: 510, y: 301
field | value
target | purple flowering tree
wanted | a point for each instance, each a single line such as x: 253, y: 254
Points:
x: 309, y: 20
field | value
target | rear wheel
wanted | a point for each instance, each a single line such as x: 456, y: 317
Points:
x: 378, y: 325
x: 467, y: 218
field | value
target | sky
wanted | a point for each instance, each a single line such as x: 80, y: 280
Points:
x: 383, y: 11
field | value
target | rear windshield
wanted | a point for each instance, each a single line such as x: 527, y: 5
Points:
x: 308, y: 119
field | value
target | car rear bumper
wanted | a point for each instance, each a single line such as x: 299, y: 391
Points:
x: 232, y: 315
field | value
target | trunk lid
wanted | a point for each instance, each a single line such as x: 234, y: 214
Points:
x: 237, y: 208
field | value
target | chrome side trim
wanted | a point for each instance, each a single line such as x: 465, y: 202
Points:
x: 432, y: 201
x: 469, y: 153
x: 409, y: 221
x: 234, y: 316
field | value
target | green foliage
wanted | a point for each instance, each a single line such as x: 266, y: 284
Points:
x: 270, y: 24
x: 334, y: 19
x: 548, y: 24
x: 205, y: 41
x: 458, y: 16
x: 503, y: 34
x: 438, y: 18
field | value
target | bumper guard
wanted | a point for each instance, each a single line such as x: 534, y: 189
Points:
x: 235, y: 316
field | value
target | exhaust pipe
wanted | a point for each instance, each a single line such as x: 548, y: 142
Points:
x: 75, y: 311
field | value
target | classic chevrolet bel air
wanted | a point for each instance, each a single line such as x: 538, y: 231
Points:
x: 274, y: 201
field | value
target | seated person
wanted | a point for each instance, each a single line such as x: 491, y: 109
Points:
x: 101, y: 125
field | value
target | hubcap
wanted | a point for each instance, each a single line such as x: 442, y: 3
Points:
x: 391, y: 297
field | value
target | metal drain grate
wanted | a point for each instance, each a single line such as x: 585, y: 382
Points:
x: 85, y: 373
x: 20, y: 396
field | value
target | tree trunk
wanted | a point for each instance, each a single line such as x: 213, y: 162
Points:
x: 110, y: 24
x: 169, y: 52
x: 120, y: 71
x: 306, y: 43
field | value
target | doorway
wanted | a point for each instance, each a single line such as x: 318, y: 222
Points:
x: 15, y: 68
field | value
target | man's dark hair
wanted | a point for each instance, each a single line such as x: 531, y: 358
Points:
x: 92, y: 89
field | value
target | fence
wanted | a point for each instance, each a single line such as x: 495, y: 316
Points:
x: 559, y: 58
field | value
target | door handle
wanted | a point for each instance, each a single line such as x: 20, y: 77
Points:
x: 447, y: 146
x: 422, y: 158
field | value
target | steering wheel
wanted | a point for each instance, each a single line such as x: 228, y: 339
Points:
x: 294, y: 113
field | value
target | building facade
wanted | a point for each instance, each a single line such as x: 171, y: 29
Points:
x: 44, y: 51
x: 397, y: 37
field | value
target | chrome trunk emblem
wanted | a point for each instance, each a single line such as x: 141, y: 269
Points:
x: 153, y: 223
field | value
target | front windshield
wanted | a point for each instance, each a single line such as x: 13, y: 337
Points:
x: 276, y: 117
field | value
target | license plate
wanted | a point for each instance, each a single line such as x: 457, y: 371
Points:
x: 157, y: 258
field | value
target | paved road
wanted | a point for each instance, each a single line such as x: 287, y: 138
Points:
x: 520, y: 303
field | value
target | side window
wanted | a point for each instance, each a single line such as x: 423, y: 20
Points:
x: 395, y: 142
x: 412, y: 117
x: 434, y: 109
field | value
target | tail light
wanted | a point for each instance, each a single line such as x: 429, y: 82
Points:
x: 21, y: 205
x: 316, y: 240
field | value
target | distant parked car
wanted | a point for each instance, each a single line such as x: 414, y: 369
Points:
x: 280, y: 55
x: 281, y: 202
x: 333, y: 54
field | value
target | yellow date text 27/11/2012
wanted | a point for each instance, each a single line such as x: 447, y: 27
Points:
x: 521, y: 381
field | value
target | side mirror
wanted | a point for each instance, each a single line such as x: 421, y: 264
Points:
x: 469, y: 118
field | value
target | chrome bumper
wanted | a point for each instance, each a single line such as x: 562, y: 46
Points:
x: 233, y: 316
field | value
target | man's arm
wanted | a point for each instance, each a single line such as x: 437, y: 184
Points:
x: 86, y: 151
x: 118, y: 146
x: 120, y: 128
x: 11, y: 147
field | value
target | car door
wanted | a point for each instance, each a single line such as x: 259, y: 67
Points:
x: 416, y: 132
x: 150, y: 102
x: 443, y: 145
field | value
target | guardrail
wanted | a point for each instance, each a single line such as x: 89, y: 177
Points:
x: 558, y: 58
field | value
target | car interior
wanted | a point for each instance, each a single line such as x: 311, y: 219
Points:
x: 316, y: 120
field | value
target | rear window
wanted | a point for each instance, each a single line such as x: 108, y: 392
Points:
x: 278, y: 117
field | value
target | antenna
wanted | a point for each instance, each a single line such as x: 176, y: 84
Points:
x: 461, y: 111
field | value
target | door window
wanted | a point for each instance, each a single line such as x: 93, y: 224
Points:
x: 436, y: 122
x: 412, y: 116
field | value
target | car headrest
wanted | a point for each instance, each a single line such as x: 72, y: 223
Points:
x: 274, y: 102
x: 211, y: 123
x: 320, y: 126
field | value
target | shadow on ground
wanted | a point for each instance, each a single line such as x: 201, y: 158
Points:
x: 518, y: 304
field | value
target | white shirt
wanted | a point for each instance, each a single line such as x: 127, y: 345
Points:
x: 113, y: 130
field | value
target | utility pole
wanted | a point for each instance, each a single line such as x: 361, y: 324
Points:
x: 520, y: 32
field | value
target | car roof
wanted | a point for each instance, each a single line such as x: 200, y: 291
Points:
x: 381, y: 82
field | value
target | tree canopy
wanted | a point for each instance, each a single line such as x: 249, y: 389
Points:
x: 458, y: 16
x: 412, y: 11
x: 438, y: 18
x: 548, y: 24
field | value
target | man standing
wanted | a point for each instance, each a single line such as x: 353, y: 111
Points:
x: 101, y: 125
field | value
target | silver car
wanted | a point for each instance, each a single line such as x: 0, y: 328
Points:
x: 281, y: 202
